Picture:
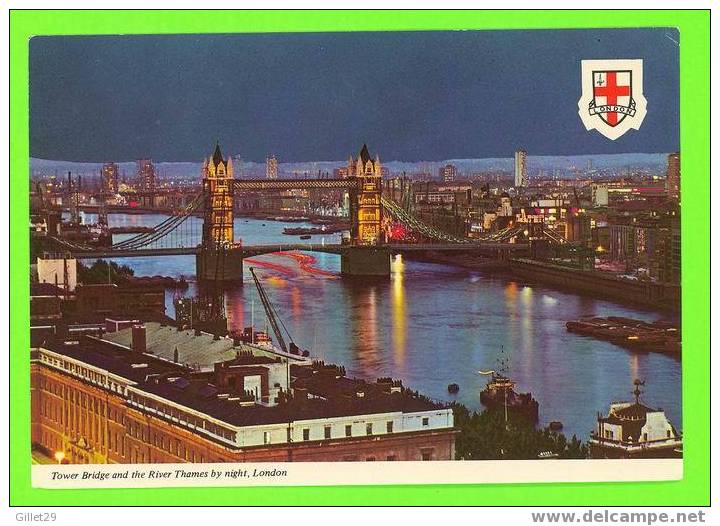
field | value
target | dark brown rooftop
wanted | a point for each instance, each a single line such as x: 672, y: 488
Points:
x: 333, y: 394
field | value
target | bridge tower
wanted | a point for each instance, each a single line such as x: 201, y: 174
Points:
x: 220, y: 259
x: 367, y: 255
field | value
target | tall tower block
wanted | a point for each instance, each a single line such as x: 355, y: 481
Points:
x: 520, y: 169
x: 673, y: 177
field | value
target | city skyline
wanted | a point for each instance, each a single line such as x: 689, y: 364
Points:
x: 168, y: 96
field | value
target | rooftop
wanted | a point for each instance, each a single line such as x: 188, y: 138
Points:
x: 195, y: 348
x: 320, y: 391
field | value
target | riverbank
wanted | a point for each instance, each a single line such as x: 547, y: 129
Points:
x: 657, y: 296
x: 165, y: 282
x: 467, y: 261
x: 594, y: 283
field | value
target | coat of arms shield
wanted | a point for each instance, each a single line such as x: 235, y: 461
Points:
x: 612, y: 101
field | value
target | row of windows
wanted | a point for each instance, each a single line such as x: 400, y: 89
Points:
x: 87, y: 422
x: 160, y: 440
x: 182, y: 417
x: 86, y: 373
x: 610, y: 434
x: 389, y: 428
x: 425, y: 454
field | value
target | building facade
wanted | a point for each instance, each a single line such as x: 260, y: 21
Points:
x: 97, y: 401
x: 146, y: 175
x: 650, y: 244
x: 110, y: 177
x: 448, y: 173
x: 521, y: 169
x: 634, y: 430
x: 673, y: 177
x: 271, y: 167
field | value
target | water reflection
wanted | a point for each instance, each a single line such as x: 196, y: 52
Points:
x: 432, y: 325
x: 399, y: 310
x: 365, y: 328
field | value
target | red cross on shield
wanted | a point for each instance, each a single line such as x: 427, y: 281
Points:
x: 612, y: 96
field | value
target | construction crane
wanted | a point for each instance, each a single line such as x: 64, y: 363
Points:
x: 274, y: 319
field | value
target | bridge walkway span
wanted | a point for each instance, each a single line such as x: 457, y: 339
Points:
x: 256, y: 250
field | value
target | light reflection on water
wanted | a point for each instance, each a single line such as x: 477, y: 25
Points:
x: 432, y: 325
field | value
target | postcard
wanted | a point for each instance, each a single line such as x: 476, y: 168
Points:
x: 355, y: 258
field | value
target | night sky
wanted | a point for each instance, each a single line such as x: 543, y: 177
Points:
x: 419, y: 96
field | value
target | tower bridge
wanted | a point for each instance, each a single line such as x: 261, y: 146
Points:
x: 220, y: 254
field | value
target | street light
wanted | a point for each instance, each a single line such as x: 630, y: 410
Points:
x: 59, y: 456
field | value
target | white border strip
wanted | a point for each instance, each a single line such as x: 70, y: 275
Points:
x: 352, y: 473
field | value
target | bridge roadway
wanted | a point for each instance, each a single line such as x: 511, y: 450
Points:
x: 256, y: 250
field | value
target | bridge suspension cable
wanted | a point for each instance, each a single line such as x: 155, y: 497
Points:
x: 505, y: 234
x: 161, y: 230
x: 416, y: 224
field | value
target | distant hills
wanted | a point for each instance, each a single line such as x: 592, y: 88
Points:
x: 179, y: 170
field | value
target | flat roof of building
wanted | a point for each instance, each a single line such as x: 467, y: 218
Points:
x: 331, y: 393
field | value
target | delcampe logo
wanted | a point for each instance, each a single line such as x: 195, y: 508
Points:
x: 612, y: 98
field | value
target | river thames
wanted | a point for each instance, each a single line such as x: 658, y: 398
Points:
x: 431, y: 325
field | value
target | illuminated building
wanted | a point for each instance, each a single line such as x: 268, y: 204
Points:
x: 634, y: 430
x: 577, y: 227
x: 217, y: 181
x: 146, y: 175
x: 505, y: 209
x: 61, y: 272
x: 600, y: 194
x: 448, y: 173
x: 520, y: 168
x: 152, y: 393
x: 366, y: 229
x: 647, y: 242
x: 110, y: 174
x: 271, y: 167
x: 673, y: 177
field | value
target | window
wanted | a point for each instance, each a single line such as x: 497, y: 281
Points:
x: 368, y: 429
x: 669, y: 434
x: 306, y: 433
x: 391, y: 457
x: 349, y: 458
x: 426, y: 454
x: 348, y: 430
x: 645, y: 437
x: 390, y: 426
x: 266, y: 437
x: 370, y: 459
x: 328, y: 431
x: 425, y: 421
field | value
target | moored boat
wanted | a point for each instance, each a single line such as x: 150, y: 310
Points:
x: 499, y: 395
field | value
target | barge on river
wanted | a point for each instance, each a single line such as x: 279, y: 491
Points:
x: 629, y: 333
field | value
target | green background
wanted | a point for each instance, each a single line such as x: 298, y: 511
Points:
x: 694, y: 27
